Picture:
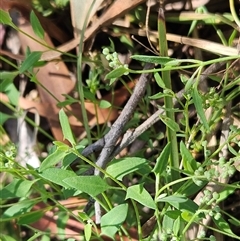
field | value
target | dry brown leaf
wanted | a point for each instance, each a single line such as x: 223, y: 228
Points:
x: 53, y: 76
x: 117, y: 9
x: 25, y: 7
x: 120, y: 96
x: 11, y: 55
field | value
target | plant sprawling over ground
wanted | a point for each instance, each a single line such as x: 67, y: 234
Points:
x: 119, y: 120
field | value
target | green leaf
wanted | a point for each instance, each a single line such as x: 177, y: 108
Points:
x: 104, y: 104
x: 173, y: 199
x: 186, y: 215
x: 112, y: 220
x: 180, y: 203
x: 62, y: 219
x: 184, y: 78
x: 116, y: 73
x: 5, y: 18
x: 167, y: 222
x: 17, y: 188
x: 31, y: 217
x: 176, y: 226
x: 69, y: 100
x: 57, y: 175
x: 169, y: 123
x: 197, y: 100
x: 88, y: 94
x: 162, y: 160
x: 234, y: 221
x: 189, y: 83
x: 61, y: 145
x: 193, y: 26
x: 159, y: 96
x: 68, y: 159
x: 174, y: 214
x: 119, y: 168
x: 7, y: 77
x: 18, y: 209
x: 67, y: 132
x: 4, y: 117
x: 172, y: 63
x: 152, y: 59
x: 13, y: 94
x: 190, y: 188
x: 61, y: 3
x: 4, y: 237
x: 53, y: 159
x: 30, y: 61
x: 92, y: 185
x: 88, y: 231
x: 189, y: 163
x: 140, y: 194
x: 223, y: 226
x: 159, y: 80
x: 84, y: 217
x: 36, y: 25
x: 228, y: 190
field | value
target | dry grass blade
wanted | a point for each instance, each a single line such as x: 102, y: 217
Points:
x: 79, y: 9
x: 205, y: 45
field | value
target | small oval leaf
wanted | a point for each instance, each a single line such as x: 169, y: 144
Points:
x: 30, y: 217
x: 189, y: 163
x: 104, y: 104
x: 92, y: 185
x: 119, y: 168
x: 57, y: 175
x: 140, y: 194
x: 116, y: 73
x: 169, y: 123
x: 53, y: 159
x: 5, y: 18
x: 88, y: 231
x: 67, y: 132
x: 30, y: 60
x: 112, y: 220
x: 197, y: 100
x: 159, y: 80
x: 162, y: 160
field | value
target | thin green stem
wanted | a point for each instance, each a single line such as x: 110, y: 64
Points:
x: 138, y: 220
x: 176, y: 182
x: 189, y: 223
x: 166, y: 76
x: 173, y: 68
x: 232, y: 235
x: 79, y: 76
x: 110, y: 206
x: 100, y: 169
x: 117, y: 182
x: 233, y: 12
x: 42, y: 43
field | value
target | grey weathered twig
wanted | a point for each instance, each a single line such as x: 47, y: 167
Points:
x: 131, y: 136
x: 108, y: 142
